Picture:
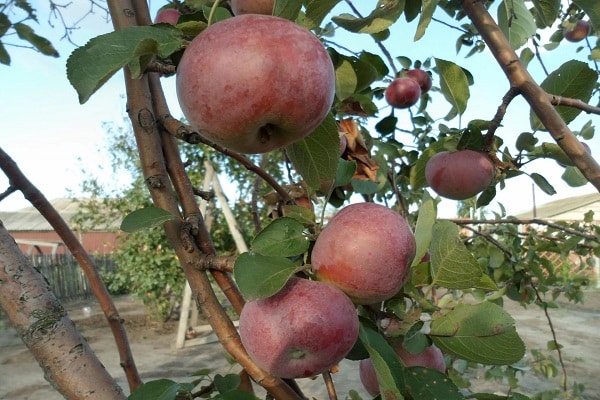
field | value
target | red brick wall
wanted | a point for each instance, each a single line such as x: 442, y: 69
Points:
x: 93, y: 242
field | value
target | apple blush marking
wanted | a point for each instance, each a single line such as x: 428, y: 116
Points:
x: 366, y: 250
x: 255, y: 83
x: 301, y: 331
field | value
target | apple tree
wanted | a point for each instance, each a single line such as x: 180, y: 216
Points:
x: 372, y: 139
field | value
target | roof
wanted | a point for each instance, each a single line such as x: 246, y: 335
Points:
x: 569, y: 209
x: 30, y: 219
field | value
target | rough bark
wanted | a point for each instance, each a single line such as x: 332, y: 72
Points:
x: 68, y: 362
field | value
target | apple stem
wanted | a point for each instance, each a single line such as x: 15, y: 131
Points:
x: 329, y: 385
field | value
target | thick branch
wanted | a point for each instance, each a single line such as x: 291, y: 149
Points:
x: 537, y: 98
x: 37, y: 199
x: 68, y: 362
x: 148, y: 138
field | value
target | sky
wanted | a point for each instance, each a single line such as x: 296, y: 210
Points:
x: 52, y: 137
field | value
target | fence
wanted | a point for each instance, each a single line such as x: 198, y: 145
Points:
x: 65, y: 276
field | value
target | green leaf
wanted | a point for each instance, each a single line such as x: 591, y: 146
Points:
x: 259, y: 276
x: 386, y: 125
x: 5, y: 24
x: 162, y: 389
x: 574, y: 79
x: 483, y: 333
x: 388, y: 367
x: 4, y: 56
x: 220, y: 14
x: 573, y: 177
x: 316, y: 11
x: 25, y: 6
x: 543, y: 183
x: 345, y: 172
x: 454, y: 85
x: 316, y: 156
x: 429, y: 7
x: 145, y: 218
x: 239, y: 395
x: 424, y: 227
x: 283, y: 237
x: 516, y: 22
x: 345, y: 80
x: 382, y: 17
x: 453, y: 266
x: 227, y: 383
x: 547, y: 11
x: 526, y: 141
x: 288, y: 9
x: 427, y: 383
x: 90, y: 66
x: 26, y: 33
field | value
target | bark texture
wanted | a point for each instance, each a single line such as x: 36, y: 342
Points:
x: 69, y: 364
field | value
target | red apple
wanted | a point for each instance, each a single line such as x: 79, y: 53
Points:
x: 403, y: 93
x: 432, y: 358
x: 167, y: 15
x: 459, y: 175
x: 254, y: 83
x: 252, y: 6
x: 365, y: 250
x: 577, y: 32
x: 302, y: 331
x: 422, y: 78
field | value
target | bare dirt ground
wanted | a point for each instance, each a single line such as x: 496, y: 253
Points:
x: 153, y: 347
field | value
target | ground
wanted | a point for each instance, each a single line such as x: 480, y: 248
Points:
x: 153, y: 347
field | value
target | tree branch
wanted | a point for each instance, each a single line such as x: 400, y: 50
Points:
x: 44, y: 326
x: 537, y: 98
x: 37, y: 199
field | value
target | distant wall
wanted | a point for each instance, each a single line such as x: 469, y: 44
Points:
x: 93, y: 242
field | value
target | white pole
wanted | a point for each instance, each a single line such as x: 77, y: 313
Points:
x: 229, y: 217
x: 187, y: 291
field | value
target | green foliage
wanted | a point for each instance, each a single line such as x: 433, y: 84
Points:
x: 13, y: 17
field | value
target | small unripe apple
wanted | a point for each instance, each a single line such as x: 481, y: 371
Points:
x: 459, y: 175
x: 578, y: 32
x: 240, y: 7
x: 255, y: 83
x: 366, y: 250
x: 167, y: 15
x: 422, y: 78
x: 403, y: 92
x: 432, y: 357
x: 302, y: 331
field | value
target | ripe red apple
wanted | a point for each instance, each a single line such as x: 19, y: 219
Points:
x: 578, y: 32
x: 403, y: 92
x: 422, y: 78
x: 252, y: 6
x: 254, y: 83
x: 432, y: 358
x: 303, y: 330
x: 365, y: 250
x: 459, y: 174
x: 167, y: 15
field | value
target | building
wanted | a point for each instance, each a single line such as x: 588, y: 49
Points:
x: 35, y: 235
x: 569, y: 209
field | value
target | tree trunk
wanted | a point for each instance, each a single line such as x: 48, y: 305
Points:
x: 68, y: 362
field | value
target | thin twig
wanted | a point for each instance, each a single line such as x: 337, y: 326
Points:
x: 554, y: 337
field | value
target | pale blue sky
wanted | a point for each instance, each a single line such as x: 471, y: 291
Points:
x: 46, y: 131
